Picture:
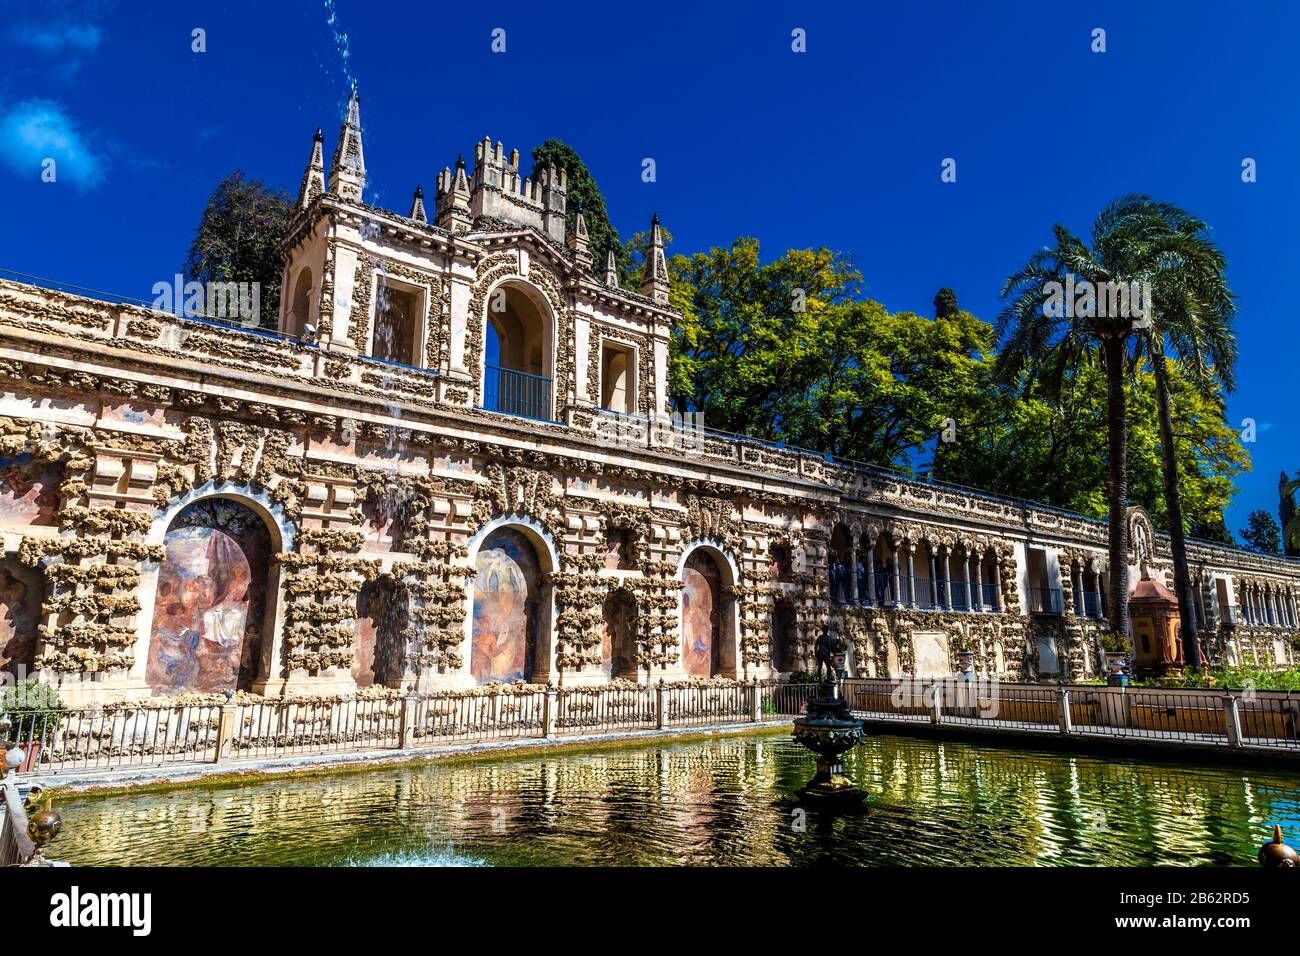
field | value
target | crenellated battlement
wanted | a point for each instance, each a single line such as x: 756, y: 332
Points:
x: 497, y: 189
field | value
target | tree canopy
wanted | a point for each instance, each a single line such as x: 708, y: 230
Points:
x: 1262, y: 533
x: 236, y: 239
x: 584, y: 194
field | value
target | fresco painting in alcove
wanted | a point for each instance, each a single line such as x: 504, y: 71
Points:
x: 701, y: 614
x: 20, y: 607
x: 505, y: 607
x: 207, y: 619
x: 29, y: 490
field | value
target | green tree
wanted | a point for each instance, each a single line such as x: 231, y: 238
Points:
x: 1286, y: 513
x: 237, y: 239
x: 1046, y: 344
x: 1191, y: 314
x: 1023, y: 442
x: 584, y: 194
x: 1262, y: 533
x: 945, y: 304
x: 742, y: 346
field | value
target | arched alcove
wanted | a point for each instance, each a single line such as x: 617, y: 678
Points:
x: 509, y: 614
x: 618, y: 638
x: 518, y: 354
x: 785, y: 650
x: 708, y: 625
x: 299, y: 314
x: 382, y: 620
x: 21, y: 591
x: 210, y: 607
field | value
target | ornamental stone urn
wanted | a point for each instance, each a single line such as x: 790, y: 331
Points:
x: 828, y: 728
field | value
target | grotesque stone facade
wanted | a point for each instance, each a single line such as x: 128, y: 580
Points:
x: 425, y: 448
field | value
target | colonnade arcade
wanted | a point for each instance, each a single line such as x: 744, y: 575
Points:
x: 916, y: 568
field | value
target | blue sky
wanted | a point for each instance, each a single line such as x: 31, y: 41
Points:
x: 839, y: 146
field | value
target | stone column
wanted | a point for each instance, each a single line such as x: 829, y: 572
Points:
x: 851, y: 569
x: 898, y: 594
x: 979, y: 582
x: 1080, y: 595
x: 911, y: 574
x: 965, y: 572
x: 946, y: 601
x: 934, y: 579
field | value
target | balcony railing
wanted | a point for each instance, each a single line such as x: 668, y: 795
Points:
x: 1045, y: 601
x: 516, y: 393
x: 1094, y: 605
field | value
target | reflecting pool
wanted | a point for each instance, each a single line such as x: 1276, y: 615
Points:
x: 719, y: 802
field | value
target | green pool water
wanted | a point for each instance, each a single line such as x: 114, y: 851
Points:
x: 720, y: 802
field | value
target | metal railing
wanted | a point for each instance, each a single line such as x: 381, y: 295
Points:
x: 1211, y: 718
x: 512, y: 392
x: 1229, y: 615
x: 16, y: 847
x: 143, y: 735
x: 1045, y: 601
x: 1094, y: 604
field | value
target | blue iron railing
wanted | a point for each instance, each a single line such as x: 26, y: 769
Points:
x: 1045, y: 601
x: 516, y: 393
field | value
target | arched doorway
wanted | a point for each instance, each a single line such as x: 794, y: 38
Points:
x: 211, y: 601
x: 382, y: 618
x: 507, y: 608
x: 703, y: 646
x: 785, y: 656
x: 618, y: 639
x: 518, y: 362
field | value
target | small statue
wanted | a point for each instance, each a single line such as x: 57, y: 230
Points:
x: 828, y: 650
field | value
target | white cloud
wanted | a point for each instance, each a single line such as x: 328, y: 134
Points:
x: 36, y: 130
x: 58, y: 37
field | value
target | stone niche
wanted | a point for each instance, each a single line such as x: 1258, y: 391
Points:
x: 931, y: 651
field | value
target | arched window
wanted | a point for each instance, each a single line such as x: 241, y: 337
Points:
x: 299, y: 304
x: 517, y: 355
x: 618, y: 640
x: 506, y: 608
x: 211, y: 602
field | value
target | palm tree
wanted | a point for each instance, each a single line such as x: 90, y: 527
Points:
x: 1191, y: 320
x: 1134, y: 240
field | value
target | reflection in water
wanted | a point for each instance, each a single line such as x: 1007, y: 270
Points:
x: 723, y: 802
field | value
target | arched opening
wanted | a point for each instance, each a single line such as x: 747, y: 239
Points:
x: 382, y: 618
x: 21, y: 592
x: 618, y: 639
x: 208, y: 618
x: 517, y: 354
x: 841, y: 570
x: 785, y: 651
x: 299, y: 304
x: 703, y: 652
x: 399, y: 314
x: 507, y: 608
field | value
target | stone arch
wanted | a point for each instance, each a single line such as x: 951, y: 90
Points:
x: 298, y: 314
x: 281, y: 533
x: 519, y: 350
x: 618, y: 646
x: 210, y: 628
x: 511, y: 601
x: 709, y: 625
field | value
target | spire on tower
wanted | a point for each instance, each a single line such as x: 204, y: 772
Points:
x: 579, y: 243
x: 611, y: 269
x: 451, y: 201
x: 313, y: 178
x: 417, y: 206
x: 654, y: 281
x: 348, y: 167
